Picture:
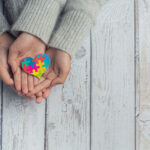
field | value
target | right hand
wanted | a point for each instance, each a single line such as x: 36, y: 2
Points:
x: 5, y: 72
x: 56, y: 73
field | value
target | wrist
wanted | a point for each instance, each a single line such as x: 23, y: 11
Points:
x: 32, y: 37
x: 63, y: 53
x: 5, y: 40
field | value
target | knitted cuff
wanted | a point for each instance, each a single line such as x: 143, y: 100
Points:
x: 38, y: 18
x: 73, y: 27
x: 4, y: 26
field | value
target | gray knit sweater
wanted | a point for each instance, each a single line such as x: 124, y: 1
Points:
x: 41, y: 18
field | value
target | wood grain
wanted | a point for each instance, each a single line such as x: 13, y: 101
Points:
x: 95, y: 108
x: 68, y: 120
x: 113, y: 91
x: 1, y: 10
x: 23, y: 123
x: 143, y: 109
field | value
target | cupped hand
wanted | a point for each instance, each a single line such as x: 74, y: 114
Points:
x: 56, y: 73
x: 26, y: 45
x: 5, y: 73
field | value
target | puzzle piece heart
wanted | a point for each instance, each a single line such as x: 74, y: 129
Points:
x: 36, y: 66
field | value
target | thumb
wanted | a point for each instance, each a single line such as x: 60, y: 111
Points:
x: 12, y: 57
x: 46, y: 92
x: 13, y: 66
x: 56, y: 81
x: 59, y: 80
x: 5, y: 76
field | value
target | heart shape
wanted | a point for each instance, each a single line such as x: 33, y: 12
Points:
x: 36, y: 66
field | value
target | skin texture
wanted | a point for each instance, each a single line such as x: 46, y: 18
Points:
x: 25, y: 45
x: 6, y: 75
x: 5, y: 72
x: 56, y: 73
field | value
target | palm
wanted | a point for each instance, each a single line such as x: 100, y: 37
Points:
x: 25, y: 45
x: 60, y: 61
x: 60, y: 64
x: 56, y: 73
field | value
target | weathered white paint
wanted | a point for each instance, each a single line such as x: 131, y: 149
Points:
x: 1, y: 10
x: 143, y: 38
x: 110, y: 58
x: 23, y: 123
x: 113, y: 100
x: 68, y: 120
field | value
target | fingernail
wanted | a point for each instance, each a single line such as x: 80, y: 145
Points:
x: 30, y: 90
x: 31, y: 98
x: 29, y: 94
x: 25, y: 91
x: 20, y: 94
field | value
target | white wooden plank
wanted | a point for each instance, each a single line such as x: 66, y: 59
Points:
x: 1, y: 11
x: 143, y: 113
x: 68, y: 122
x: 113, y: 100
x: 23, y: 123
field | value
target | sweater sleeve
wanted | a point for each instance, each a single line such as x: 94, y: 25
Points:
x: 77, y: 19
x: 4, y: 26
x: 38, y: 18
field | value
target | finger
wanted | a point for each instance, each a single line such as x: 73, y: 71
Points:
x: 41, y: 79
x: 13, y: 66
x: 35, y: 81
x: 24, y: 82
x: 45, y: 84
x: 5, y: 76
x: 31, y: 97
x: 60, y: 79
x: 20, y: 93
x: 43, y: 90
x: 39, y: 94
x: 30, y: 83
x: 17, y: 79
x: 46, y: 93
x: 39, y: 100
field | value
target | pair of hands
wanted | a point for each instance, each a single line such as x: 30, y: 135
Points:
x: 13, y: 51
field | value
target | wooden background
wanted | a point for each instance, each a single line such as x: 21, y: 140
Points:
x: 105, y: 103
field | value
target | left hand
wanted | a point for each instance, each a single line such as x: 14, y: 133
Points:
x: 26, y: 45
